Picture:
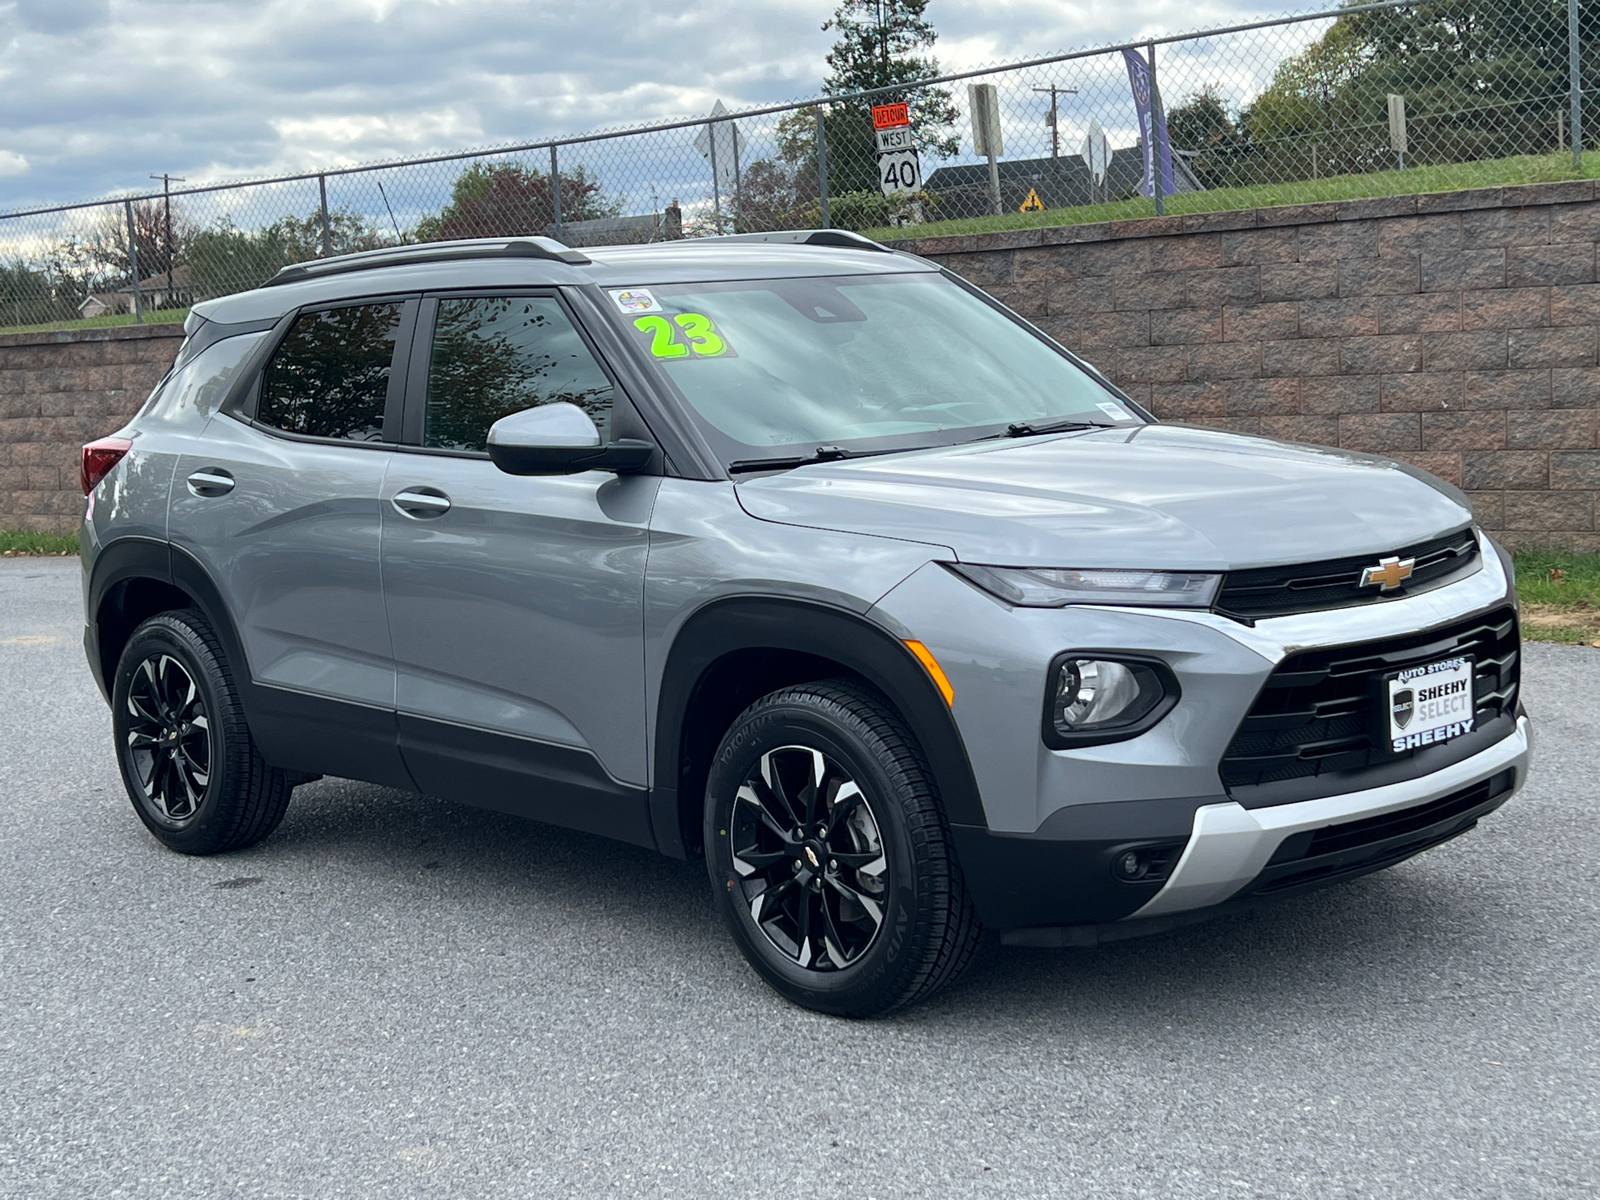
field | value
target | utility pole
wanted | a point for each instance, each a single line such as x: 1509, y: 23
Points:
x: 1055, y: 118
x: 166, y: 199
x: 1055, y: 130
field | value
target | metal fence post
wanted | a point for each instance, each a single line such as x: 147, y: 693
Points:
x: 822, y: 164
x: 133, y: 262
x: 716, y: 189
x: 1575, y: 83
x: 322, y: 208
x: 555, y: 191
x: 1157, y: 118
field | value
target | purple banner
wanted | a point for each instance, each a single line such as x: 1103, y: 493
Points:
x: 1152, y: 126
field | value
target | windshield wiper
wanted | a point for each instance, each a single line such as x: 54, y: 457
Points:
x: 822, y: 454
x: 1027, y: 429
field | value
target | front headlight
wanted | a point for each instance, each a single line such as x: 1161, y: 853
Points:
x: 1092, y: 699
x: 1056, y: 587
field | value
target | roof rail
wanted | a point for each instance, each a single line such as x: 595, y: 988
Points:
x: 430, y: 252
x: 848, y: 239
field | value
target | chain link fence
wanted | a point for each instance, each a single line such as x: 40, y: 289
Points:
x: 1366, y: 100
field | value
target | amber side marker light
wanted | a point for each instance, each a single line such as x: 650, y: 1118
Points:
x: 98, y: 459
x: 926, y: 658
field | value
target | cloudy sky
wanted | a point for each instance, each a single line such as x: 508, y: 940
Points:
x: 97, y: 94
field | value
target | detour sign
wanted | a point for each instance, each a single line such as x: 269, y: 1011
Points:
x: 889, y: 116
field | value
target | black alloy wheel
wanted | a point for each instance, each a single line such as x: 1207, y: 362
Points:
x: 168, y: 739
x: 190, y: 766
x: 830, y: 855
x: 809, y: 854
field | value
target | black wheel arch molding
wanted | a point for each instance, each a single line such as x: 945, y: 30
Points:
x: 733, y: 650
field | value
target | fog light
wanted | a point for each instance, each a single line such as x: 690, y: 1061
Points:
x: 1132, y: 865
x: 1105, y: 699
x: 1151, y: 862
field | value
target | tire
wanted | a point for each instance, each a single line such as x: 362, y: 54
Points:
x: 829, y: 853
x: 191, y: 769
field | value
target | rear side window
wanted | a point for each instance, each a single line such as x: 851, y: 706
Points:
x: 196, y: 388
x: 499, y: 355
x: 330, y: 377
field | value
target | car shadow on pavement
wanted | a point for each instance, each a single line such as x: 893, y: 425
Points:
x: 1401, y: 936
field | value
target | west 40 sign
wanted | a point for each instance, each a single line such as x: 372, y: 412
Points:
x: 899, y: 169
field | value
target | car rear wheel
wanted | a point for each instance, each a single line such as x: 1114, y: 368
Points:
x: 830, y: 855
x: 188, y: 762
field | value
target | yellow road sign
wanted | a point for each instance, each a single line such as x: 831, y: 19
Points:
x: 1032, y: 203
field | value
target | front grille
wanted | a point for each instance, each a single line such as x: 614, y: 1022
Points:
x: 1336, y: 582
x: 1317, y: 713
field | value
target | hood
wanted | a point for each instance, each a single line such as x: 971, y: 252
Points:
x: 1158, y: 496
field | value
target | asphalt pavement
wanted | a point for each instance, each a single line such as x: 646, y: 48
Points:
x: 396, y: 996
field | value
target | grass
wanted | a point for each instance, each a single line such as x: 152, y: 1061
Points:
x: 161, y: 316
x: 1449, y: 177
x: 14, y: 543
x: 1560, y: 593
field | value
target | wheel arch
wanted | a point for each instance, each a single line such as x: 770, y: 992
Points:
x: 733, y: 651
x: 132, y: 580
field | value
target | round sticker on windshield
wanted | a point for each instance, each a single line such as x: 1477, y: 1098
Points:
x: 635, y: 300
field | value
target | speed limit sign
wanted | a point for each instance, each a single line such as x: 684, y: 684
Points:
x: 899, y: 171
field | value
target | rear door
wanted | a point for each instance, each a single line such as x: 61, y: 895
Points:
x: 515, y: 603
x: 281, y: 511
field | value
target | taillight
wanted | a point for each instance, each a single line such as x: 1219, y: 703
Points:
x: 98, y: 459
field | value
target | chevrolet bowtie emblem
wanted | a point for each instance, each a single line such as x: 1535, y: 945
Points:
x: 1389, y: 574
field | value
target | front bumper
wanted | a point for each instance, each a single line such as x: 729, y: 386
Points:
x: 1060, y: 890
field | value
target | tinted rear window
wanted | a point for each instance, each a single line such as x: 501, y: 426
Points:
x: 330, y: 377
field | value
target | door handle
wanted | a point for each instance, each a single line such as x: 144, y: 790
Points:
x: 421, y: 502
x: 211, y: 481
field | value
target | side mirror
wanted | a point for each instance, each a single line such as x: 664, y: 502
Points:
x: 560, y: 439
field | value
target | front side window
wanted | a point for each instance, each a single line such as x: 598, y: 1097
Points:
x: 863, y: 362
x: 330, y: 377
x: 494, y: 356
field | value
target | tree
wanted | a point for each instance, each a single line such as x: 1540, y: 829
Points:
x: 882, y: 44
x: 109, y: 238
x: 1481, y: 78
x: 1203, y: 126
x: 509, y: 199
x: 27, y: 297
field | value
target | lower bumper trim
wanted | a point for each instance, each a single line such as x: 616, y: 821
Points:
x: 1232, y: 848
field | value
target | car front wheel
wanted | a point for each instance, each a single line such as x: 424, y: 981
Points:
x: 830, y: 855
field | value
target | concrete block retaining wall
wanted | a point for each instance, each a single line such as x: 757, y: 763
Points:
x: 57, y: 391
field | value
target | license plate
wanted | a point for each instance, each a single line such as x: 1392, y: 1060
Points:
x: 1430, y: 704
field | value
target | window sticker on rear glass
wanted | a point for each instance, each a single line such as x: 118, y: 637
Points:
x: 1115, y: 411
x: 685, y: 335
x: 635, y: 300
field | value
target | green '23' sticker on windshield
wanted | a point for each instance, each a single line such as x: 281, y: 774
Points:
x: 687, y: 335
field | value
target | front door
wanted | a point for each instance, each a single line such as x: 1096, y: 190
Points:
x: 515, y: 604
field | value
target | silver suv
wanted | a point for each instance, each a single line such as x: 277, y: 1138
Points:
x: 800, y: 555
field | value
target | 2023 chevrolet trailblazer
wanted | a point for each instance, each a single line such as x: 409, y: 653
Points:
x: 798, y: 554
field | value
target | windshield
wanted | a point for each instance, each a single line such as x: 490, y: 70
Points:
x: 780, y: 367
